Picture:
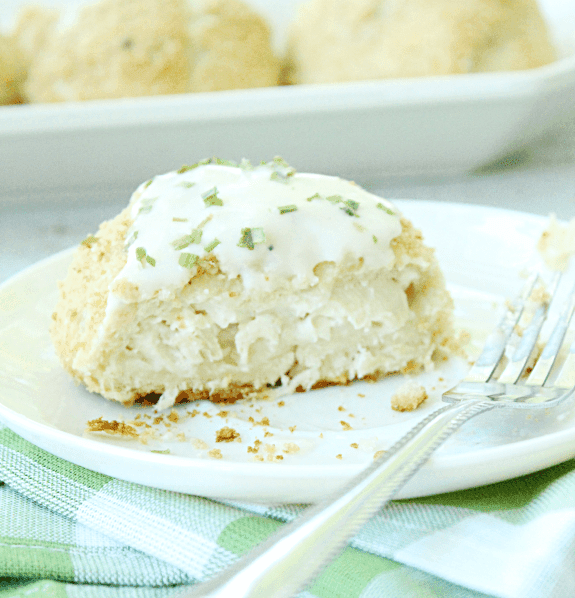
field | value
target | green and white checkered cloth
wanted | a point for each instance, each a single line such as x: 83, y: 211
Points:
x: 67, y: 531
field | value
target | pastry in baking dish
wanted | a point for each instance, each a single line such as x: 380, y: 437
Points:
x: 220, y: 281
x: 338, y: 40
x: 126, y: 48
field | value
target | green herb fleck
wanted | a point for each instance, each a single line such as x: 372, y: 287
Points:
x: 286, y: 209
x: 188, y: 260
x: 385, y: 209
x: 271, y: 247
x: 182, y: 242
x: 211, y: 246
x: 186, y: 184
x: 351, y: 207
x: 211, y: 198
x: 280, y: 162
x: 89, y: 240
x: 334, y: 198
x: 164, y: 452
x: 148, y: 183
x: 359, y: 227
x: 314, y: 196
x: 132, y: 239
x: 179, y: 219
x: 258, y: 235
x: 140, y: 254
x: 221, y: 162
x: 150, y: 260
x: 146, y: 205
x: 246, y: 240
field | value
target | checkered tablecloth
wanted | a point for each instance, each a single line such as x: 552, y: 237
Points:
x: 67, y: 531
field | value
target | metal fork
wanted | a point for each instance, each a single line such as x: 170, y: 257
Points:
x: 500, y: 377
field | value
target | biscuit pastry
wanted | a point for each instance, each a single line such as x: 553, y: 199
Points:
x: 12, y: 71
x: 127, y: 48
x: 220, y: 281
x: 337, y: 40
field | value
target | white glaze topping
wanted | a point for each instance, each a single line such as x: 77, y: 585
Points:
x: 296, y: 221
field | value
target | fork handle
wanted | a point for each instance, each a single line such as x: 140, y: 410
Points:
x: 290, y: 559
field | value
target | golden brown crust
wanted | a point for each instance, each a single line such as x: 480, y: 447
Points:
x: 84, y: 292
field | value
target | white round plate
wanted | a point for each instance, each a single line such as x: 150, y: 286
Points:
x: 300, y: 447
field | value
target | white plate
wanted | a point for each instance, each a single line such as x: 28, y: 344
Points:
x: 481, y: 251
x: 356, y: 130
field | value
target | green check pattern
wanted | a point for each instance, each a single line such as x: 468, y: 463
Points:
x: 68, y: 532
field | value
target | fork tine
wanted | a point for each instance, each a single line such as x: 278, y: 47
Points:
x: 542, y: 369
x: 520, y: 353
x: 485, y: 365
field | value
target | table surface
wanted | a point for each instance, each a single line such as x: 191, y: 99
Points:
x: 538, y: 179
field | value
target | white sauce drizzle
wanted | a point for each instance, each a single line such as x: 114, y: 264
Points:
x: 319, y: 230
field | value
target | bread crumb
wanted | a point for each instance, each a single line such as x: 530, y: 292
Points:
x: 258, y: 458
x: 290, y: 448
x: 292, y: 429
x: 113, y: 428
x: 354, y: 445
x: 226, y: 435
x: 267, y: 434
x: 408, y: 397
x: 339, y: 456
x: 174, y: 417
x: 341, y: 408
x: 345, y: 426
x: 199, y: 444
x: 270, y: 448
x: 378, y: 454
x: 215, y: 454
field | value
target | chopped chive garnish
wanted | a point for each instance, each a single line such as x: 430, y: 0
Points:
x: 211, y: 246
x: 148, y: 183
x: 140, y: 254
x: 89, y: 240
x: 211, y: 198
x: 221, y: 162
x: 278, y: 177
x: 196, y: 235
x: 132, y: 239
x: 182, y: 242
x: 350, y: 207
x: 286, y: 209
x: 280, y: 161
x: 246, y: 239
x: 164, y: 452
x: 258, y: 235
x: 186, y: 168
x: 271, y: 247
x: 385, y: 209
x: 360, y: 228
x: 186, y: 184
x: 150, y: 260
x: 179, y: 219
x: 146, y: 205
x: 334, y: 198
x: 314, y: 196
x: 188, y: 260
x: 374, y: 239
